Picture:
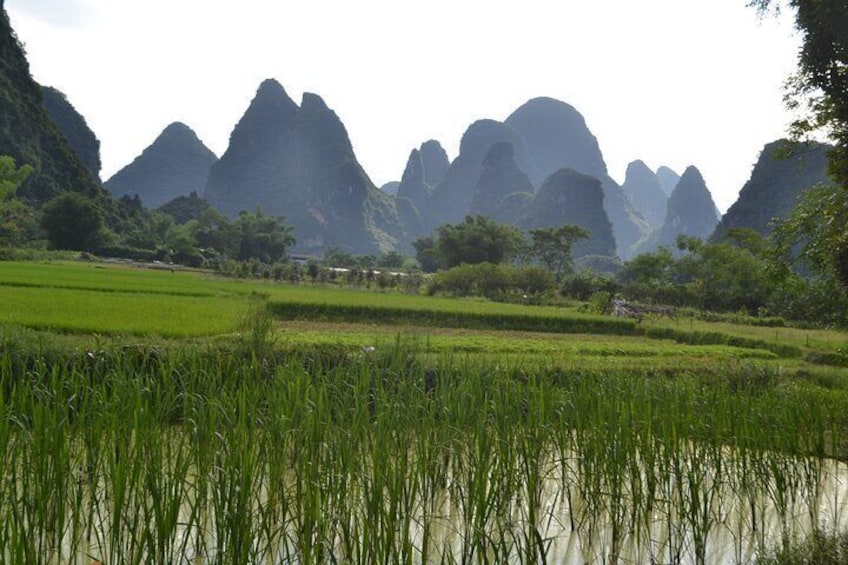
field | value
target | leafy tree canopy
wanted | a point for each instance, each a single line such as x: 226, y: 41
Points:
x: 72, y: 221
x: 427, y: 254
x: 709, y: 276
x: 11, y: 177
x: 265, y: 238
x: 185, y: 208
x: 821, y: 83
x: 552, y: 246
x: 818, y: 228
x: 821, y: 87
x: 477, y: 240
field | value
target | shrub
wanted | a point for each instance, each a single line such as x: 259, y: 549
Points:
x: 72, y: 221
x: 493, y: 281
x: 584, y: 284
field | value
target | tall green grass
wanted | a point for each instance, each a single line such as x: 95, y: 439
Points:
x: 227, y: 456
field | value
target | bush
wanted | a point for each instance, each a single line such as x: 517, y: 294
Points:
x: 492, y: 281
x: 584, y: 284
x: 126, y: 252
x: 600, y: 302
x: 72, y: 221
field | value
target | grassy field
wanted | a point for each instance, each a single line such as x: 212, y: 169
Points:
x: 117, y: 300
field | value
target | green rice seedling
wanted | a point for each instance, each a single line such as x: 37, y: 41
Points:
x: 393, y: 456
x: 823, y: 546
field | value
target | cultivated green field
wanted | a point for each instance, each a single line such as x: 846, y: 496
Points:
x: 116, y: 300
x: 167, y: 417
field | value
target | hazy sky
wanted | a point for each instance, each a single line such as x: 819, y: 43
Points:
x: 671, y: 82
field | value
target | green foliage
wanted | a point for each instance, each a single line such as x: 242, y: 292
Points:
x: 336, y: 257
x: 210, y: 239
x: 17, y: 219
x: 720, y: 338
x: 213, y: 231
x: 427, y: 254
x: 29, y: 136
x: 18, y: 225
x: 493, y: 281
x: 552, y: 246
x: 709, y: 276
x: 11, y: 177
x: 257, y: 329
x: 477, y: 240
x: 458, y: 317
x: 822, y: 547
x: 599, y: 302
x: 656, y: 270
x: 816, y: 234
x: 821, y: 302
x: 185, y: 208
x: 72, y: 221
x: 582, y: 285
x: 262, y: 237
x: 748, y: 239
x: 149, y: 231
x: 724, y: 277
x: 391, y: 260
x: 820, y: 86
x: 182, y: 246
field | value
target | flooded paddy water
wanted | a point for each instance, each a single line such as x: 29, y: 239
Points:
x: 226, y: 459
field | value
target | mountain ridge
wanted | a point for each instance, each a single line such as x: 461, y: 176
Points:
x: 175, y: 164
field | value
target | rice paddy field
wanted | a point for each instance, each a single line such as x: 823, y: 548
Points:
x: 150, y: 416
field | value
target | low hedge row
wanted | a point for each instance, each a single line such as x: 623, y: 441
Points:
x: 471, y: 320
x: 718, y: 338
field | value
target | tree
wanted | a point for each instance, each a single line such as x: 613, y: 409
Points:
x: 391, y: 260
x: 821, y: 85
x: 214, y: 232
x: 552, y: 246
x: 477, y: 240
x: 724, y: 277
x: 655, y: 270
x: 265, y: 238
x: 821, y: 82
x: 816, y: 234
x: 185, y: 208
x: 339, y: 258
x: 72, y: 221
x: 749, y: 239
x: 427, y: 254
x: 17, y: 220
x: 11, y: 177
x: 182, y: 246
x: 710, y: 276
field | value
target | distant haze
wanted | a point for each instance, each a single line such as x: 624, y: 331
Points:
x: 668, y: 82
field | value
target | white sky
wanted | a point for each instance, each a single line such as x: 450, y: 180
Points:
x: 671, y: 82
